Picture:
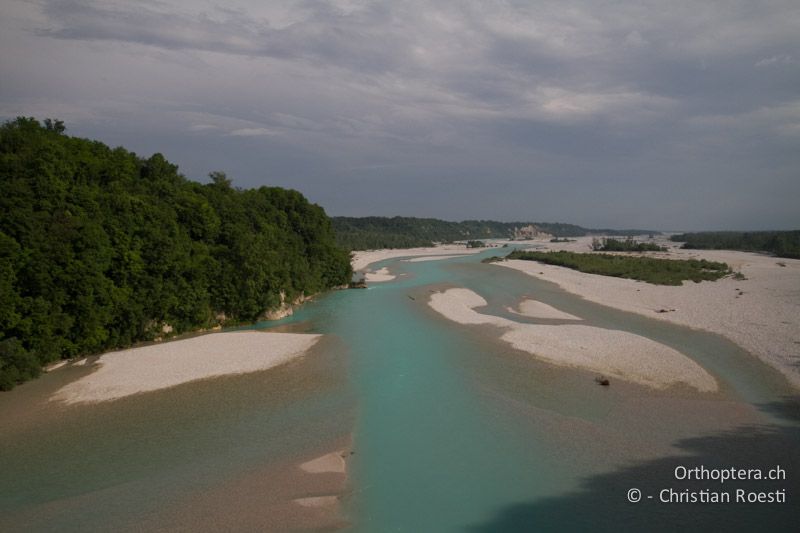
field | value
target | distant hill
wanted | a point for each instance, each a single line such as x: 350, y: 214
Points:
x: 780, y: 243
x: 366, y: 233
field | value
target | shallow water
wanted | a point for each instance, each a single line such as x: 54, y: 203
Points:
x: 117, y: 465
x: 453, y: 430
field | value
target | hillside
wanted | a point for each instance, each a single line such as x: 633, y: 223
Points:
x: 406, y: 232
x: 100, y: 249
x: 780, y: 243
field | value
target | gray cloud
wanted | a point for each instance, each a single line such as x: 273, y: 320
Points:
x: 678, y: 115
x: 325, y: 35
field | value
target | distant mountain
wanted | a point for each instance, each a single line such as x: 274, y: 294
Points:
x: 366, y: 233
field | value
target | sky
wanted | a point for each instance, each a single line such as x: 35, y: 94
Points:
x: 679, y: 115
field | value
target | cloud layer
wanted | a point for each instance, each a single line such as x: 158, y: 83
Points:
x: 673, y: 115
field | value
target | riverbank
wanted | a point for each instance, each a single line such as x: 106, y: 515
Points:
x: 760, y: 313
x: 362, y: 259
x: 612, y: 353
x: 159, y: 366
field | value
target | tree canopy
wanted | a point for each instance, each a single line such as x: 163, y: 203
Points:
x: 780, y: 243
x: 100, y: 249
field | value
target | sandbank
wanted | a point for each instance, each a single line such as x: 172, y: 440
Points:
x: 159, y: 366
x: 331, y: 462
x: 761, y: 313
x: 325, y: 502
x: 55, y: 366
x: 459, y: 306
x: 432, y: 258
x: 537, y: 309
x: 614, y: 353
x: 379, y: 275
x: 363, y: 259
x: 276, y: 496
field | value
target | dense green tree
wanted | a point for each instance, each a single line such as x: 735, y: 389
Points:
x: 780, y: 243
x: 100, y: 248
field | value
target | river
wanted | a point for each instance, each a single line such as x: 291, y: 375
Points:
x: 450, y: 429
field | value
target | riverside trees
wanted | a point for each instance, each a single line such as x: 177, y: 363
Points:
x: 100, y: 248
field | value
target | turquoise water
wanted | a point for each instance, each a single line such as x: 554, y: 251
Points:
x: 425, y: 441
x: 452, y: 430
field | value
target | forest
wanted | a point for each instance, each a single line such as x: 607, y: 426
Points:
x: 779, y: 243
x: 100, y: 249
x: 369, y: 233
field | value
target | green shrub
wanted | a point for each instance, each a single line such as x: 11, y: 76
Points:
x: 648, y: 269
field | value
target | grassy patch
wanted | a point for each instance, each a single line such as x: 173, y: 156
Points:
x: 648, y: 269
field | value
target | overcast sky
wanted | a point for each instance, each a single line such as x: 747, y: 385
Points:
x: 671, y: 115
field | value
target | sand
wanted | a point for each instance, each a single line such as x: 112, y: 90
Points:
x: 612, y: 353
x: 276, y: 496
x: 431, y: 258
x: 330, y: 462
x: 536, y: 309
x: 363, y: 259
x: 378, y: 276
x: 150, y: 368
x: 459, y: 305
x: 325, y: 502
x: 55, y: 366
x: 761, y: 314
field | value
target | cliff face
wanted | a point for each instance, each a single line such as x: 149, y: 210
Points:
x: 530, y: 232
x: 286, y: 308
